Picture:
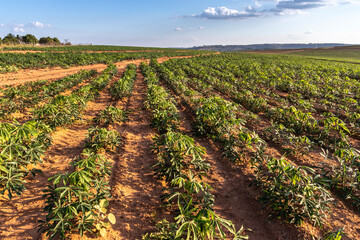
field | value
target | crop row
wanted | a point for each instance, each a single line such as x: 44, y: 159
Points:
x: 63, y: 110
x: 294, y: 193
x: 336, y: 89
x: 296, y: 130
x: 182, y: 164
x: 22, y: 145
x: 77, y: 201
x: 29, y: 94
x: 15, y: 61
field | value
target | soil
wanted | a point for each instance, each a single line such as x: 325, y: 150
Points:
x: 136, y: 192
x: 341, y: 213
x: 114, y: 51
x: 133, y: 185
x: 30, y: 75
x: 20, y: 215
x: 235, y: 200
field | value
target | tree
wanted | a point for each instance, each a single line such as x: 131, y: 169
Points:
x: 18, y: 38
x: 10, y: 39
x: 29, y: 39
x: 56, y: 41
x: 0, y: 40
x: 45, y: 40
x: 49, y: 41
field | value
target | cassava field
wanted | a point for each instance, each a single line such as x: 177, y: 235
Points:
x: 100, y: 142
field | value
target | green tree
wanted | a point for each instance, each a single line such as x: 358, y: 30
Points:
x: 29, y: 39
x: 56, y: 41
x: 10, y: 39
x: 45, y: 40
x: 49, y: 41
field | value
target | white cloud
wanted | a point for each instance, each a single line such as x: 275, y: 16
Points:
x: 18, y: 29
x: 272, y: 7
x: 291, y: 12
x: 201, y: 28
x: 226, y: 13
x: 300, y: 4
x: 178, y: 29
x: 38, y: 24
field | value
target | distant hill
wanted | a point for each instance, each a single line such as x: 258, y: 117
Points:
x: 267, y: 46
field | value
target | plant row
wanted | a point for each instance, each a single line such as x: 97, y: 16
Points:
x: 295, y: 130
x: 64, y: 110
x: 306, y: 197
x: 77, y: 201
x: 22, y: 145
x: 31, y: 93
x: 123, y: 87
x: 70, y: 56
x: 182, y: 164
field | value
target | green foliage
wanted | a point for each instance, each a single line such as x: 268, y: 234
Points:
x: 102, y: 139
x: 64, y: 110
x: 295, y: 119
x: 216, y: 116
x: 181, y: 163
x: 176, y: 154
x: 29, y: 39
x: 49, y: 41
x: 164, y: 114
x: 164, y: 231
x: 291, y: 143
x: 293, y: 193
x: 344, y: 177
x: 77, y: 201
x: 10, y: 39
x: 65, y: 56
x: 110, y: 115
x: 123, y: 87
x: 336, y: 235
x: 20, y: 146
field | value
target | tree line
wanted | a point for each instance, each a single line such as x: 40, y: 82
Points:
x: 11, y: 39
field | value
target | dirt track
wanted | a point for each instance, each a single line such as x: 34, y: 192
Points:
x: 29, y: 75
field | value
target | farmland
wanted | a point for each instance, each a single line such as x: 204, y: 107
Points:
x: 129, y: 143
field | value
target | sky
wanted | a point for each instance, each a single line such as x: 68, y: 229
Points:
x: 184, y: 23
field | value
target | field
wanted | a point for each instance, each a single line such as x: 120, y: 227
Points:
x: 142, y: 143
x: 350, y: 54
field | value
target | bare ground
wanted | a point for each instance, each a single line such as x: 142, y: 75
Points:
x: 136, y: 193
x: 30, y: 75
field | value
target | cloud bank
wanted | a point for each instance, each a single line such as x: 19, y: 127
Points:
x: 226, y: 13
x: 278, y: 7
x: 21, y: 28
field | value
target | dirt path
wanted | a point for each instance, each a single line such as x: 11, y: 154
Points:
x: 136, y: 193
x: 30, y: 75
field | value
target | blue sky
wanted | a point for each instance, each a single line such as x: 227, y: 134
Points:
x: 184, y: 23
